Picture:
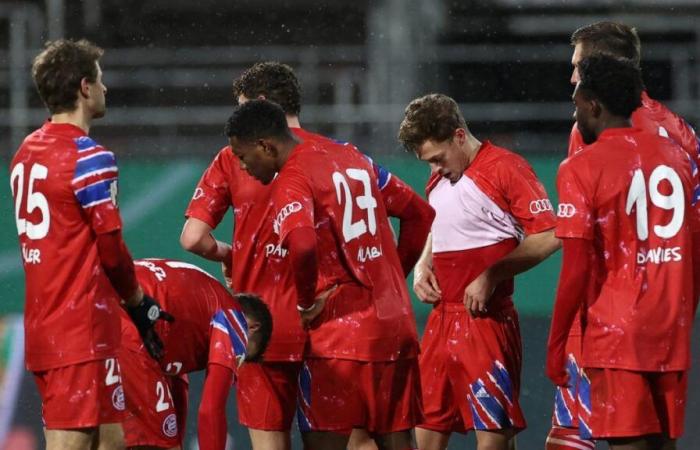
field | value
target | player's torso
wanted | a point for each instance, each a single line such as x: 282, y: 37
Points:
x: 643, y: 184
x: 357, y: 253
x: 473, y: 226
x: 68, y: 296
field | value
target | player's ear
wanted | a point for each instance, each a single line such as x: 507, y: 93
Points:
x: 85, y: 87
x: 269, y: 147
x: 596, y: 108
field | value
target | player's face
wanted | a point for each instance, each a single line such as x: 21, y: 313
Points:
x: 255, y: 158
x: 575, y: 59
x: 96, y: 95
x: 584, y: 117
x: 446, y: 158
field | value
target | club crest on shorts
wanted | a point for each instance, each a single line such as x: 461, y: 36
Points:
x: 118, y: 398
x: 170, y: 425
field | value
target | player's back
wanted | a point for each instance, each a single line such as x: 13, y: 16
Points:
x: 63, y: 185
x: 639, y: 187
x: 369, y: 316
x: 197, y: 301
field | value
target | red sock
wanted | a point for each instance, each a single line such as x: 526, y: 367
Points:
x: 567, y: 439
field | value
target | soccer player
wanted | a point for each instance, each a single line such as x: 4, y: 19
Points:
x: 493, y: 221
x: 360, y: 367
x: 622, y: 41
x: 215, y: 331
x: 628, y: 220
x: 262, y: 265
x: 77, y: 267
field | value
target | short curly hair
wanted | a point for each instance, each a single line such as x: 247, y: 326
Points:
x: 257, y: 119
x: 58, y: 70
x: 273, y: 80
x: 611, y: 38
x: 615, y: 82
x: 433, y: 117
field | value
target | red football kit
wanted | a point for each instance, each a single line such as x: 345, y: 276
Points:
x: 64, y: 186
x: 653, y: 117
x: 331, y: 189
x: 209, y: 329
x: 631, y: 194
x: 260, y: 265
x: 470, y: 367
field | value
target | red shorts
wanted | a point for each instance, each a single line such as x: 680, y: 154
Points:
x: 267, y: 395
x: 151, y: 418
x: 629, y: 404
x: 470, y: 371
x: 339, y: 395
x: 82, y: 395
x: 568, y: 412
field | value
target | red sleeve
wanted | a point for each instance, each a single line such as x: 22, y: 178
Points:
x: 211, y: 424
x: 396, y: 195
x: 527, y: 198
x: 577, y: 264
x: 416, y: 219
x: 293, y: 203
x: 301, y: 243
x: 575, y: 141
x: 228, y: 337
x: 95, y: 184
x: 117, y: 263
x: 212, y: 196
x: 575, y: 217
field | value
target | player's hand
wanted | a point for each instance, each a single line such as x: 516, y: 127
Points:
x: 310, y: 315
x: 425, y: 284
x: 144, y: 316
x: 478, y: 293
x: 226, y: 269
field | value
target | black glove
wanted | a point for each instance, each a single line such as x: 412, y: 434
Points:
x: 144, y: 317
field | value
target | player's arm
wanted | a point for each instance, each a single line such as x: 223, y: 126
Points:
x: 211, y: 424
x: 577, y: 265
x: 196, y: 238
x: 414, y: 213
x: 425, y: 283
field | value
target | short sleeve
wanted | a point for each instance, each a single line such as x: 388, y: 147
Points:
x: 212, y: 196
x: 293, y: 203
x: 395, y: 192
x: 527, y: 198
x: 95, y: 185
x: 228, y: 338
x: 575, y: 217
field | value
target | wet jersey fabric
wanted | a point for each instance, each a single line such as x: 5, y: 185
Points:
x: 260, y: 263
x: 64, y: 186
x: 633, y: 194
x: 332, y: 188
x: 209, y: 326
x: 482, y: 217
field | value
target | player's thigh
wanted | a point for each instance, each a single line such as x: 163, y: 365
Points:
x: 109, y: 436
x: 494, y: 439
x: 360, y: 439
x: 266, y: 394
x: 82, y: 395
x: 70, y: 439
x: 326, y: 440
x: 151, y: 416
x: 269, y: 440
x: 399, y: 440
x: 431, y: 440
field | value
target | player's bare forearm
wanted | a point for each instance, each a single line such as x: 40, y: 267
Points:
x: 196, y: 238
x: 534, y: 249
x: 425, y: 283
x: 415, y: 221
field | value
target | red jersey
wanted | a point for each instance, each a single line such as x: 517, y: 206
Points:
x: 483, y: 217
x: 64, y: 186
x: 332, y: 187
x: 655, y: 118
x: 260, y: 263
x: 632, y: 193
x: 209, y: 327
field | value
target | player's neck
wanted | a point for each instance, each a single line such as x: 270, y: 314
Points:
x: 293, y: 121
x: 77, y: 117
x: 613, y: 122
x: 285, y: 150
x: 472, y: 147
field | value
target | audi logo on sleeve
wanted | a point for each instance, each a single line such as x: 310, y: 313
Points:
x: 286, y: 211
x: 540, y: 206
x: 566, y: 210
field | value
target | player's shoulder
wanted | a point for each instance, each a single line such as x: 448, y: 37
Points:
x: 494, y: 160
